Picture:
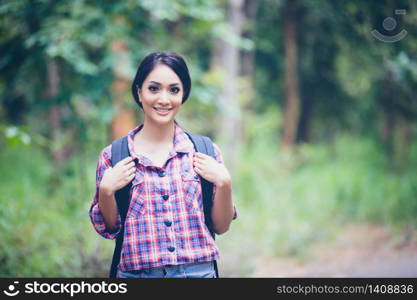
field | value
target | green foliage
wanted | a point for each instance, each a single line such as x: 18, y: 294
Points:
x: 44, y: 221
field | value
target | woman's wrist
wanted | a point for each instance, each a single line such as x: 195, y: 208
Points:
x: 225, y: 181
x: 106, y: 191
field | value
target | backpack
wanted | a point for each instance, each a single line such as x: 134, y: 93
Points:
x: 119, y: 151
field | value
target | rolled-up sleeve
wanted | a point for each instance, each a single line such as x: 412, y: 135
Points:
x: 95, y: 214
x: 219, y: 159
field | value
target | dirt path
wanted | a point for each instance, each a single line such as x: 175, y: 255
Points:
x: 361, y: 250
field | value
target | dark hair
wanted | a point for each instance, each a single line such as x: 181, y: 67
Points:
x: 168, y: 58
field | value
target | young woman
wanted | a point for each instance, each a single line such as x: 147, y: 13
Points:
x: 165, y: 234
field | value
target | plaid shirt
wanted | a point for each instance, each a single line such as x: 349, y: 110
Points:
x: 165, y: 221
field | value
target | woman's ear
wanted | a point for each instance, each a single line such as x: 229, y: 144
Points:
x: 139, y: 92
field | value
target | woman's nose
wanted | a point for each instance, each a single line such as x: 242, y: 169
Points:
x: 164, y: 97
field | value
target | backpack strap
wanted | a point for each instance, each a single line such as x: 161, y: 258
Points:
x: 119, y: 151
x: 204, y: 145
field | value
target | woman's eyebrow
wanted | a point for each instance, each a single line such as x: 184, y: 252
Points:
x: 172, y: 84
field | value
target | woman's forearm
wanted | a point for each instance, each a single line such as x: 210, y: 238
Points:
x: 222, y: 210
x: 108, y: 208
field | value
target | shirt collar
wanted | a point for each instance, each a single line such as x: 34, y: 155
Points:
x: 181, y: 142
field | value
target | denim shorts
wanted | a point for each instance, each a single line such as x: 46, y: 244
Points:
x: 192, y: 270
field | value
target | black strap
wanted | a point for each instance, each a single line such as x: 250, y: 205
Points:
x: 204, y: 145
x: 119, y: 151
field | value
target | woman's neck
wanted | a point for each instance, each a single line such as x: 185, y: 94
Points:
x: 157, y: 133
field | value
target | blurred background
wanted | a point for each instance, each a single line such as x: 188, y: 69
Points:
x: 312, y: 103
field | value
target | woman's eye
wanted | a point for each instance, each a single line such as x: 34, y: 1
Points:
x: 153, y: 88
x: 175, y: 90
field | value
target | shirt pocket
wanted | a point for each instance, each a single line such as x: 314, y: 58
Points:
x: 191, y: 187
x: 137, y: 199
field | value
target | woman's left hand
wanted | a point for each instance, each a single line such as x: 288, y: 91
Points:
x: 208, y: 168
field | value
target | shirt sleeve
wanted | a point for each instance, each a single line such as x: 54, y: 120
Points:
x: 104, y: 162
x: 219, y: 159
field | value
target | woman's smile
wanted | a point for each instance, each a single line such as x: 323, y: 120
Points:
x: 162, y: 111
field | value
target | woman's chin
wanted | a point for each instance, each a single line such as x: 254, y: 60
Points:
x: 158, y: 119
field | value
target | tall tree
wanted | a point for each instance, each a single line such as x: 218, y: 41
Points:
x: 51, y: 93
x: 124, y: 119
x: 226, y: 57
x: 247, y: 62
x: 291, y: 88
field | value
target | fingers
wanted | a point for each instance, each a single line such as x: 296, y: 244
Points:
x: 128, y: 178
x: 198, y: 164
x: 126, y: 163
x: 130, y: 165
x: 127, y: 160
x: 125, y: 181
x: 198, y: 158
x: 199, y: 155
x: 131, y: 171
x: 126, y: 168
x: 202, y: 157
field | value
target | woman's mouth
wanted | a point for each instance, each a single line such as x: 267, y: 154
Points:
x: 162, y: 111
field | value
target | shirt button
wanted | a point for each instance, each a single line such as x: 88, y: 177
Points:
x: 165, y: 197
x: 168, y: 223
x: 171, y: 249
x: 161, y: 174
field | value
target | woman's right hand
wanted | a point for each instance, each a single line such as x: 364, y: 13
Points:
x: 117, y: 177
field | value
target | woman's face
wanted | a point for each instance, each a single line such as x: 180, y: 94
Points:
x: 161, y: 95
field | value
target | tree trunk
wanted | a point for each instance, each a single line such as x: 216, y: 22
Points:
x: 389, y: 118
x: 51, y: 92
x: 247, y: 63
x: 248, y: 56
x: 291, y: 89
x: 124, y: 120
x: 226, y: 57
x: 61, y: 139
x: 304, y: 126
x: 403, y: 136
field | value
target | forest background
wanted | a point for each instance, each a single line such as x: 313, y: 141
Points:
x: 314, y: 112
